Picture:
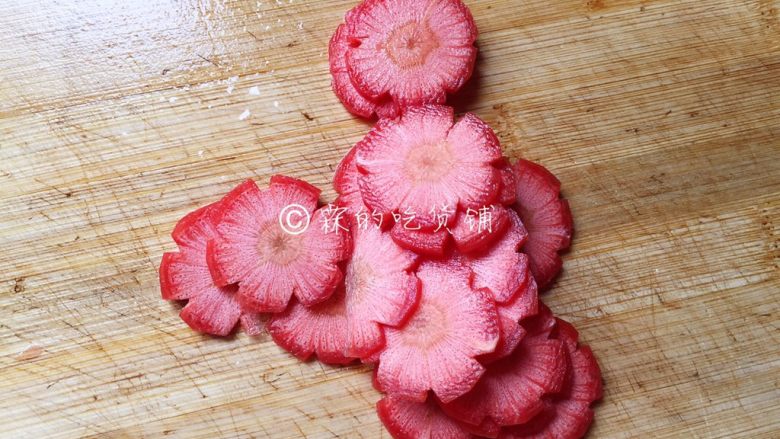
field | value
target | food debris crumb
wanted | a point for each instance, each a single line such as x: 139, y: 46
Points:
x: 245, y: 115
x: 231, y: 84
x: 254, y: 91
x: 32, y: 352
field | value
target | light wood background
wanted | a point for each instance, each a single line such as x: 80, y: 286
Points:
x: 661, y: 118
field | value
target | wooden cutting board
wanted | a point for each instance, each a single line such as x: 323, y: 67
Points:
x: 661, y: 118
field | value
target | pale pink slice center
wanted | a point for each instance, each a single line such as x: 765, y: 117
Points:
x: 410, y: 45
x: 426, y: 328
x: 360, y: 276
x: 276, y: 246
x: 429, y: 163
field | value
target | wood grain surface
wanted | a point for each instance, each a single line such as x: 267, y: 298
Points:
x: 661, y: 118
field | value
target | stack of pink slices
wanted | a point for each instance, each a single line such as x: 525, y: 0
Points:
x: 427, y: 266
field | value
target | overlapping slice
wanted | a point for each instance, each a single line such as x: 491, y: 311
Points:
x: 546, y: 217
x: 412, y: 51
x: 436, y: 348
x: 429, y: 243
x: 476, y: 230
x: 511, y: 390
x: 423, y: 168
x: 501, y: 268
x: 319, y: 329
x: 406, y: 419
x: 379, y: 290
x: 508, y: 194
x: 503, y: 271
x: 584, y: 383
x: 345, y: 182
x: 345, y: 90
x: 184, y: 275
x: 264, y: 244
x: 522, y: 306
x: 542, y: 324
x: 568, y: 414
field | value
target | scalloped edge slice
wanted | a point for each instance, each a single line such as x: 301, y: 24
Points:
x: 271, y: 263
x: 436, y: 348
x: 547, y: 218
